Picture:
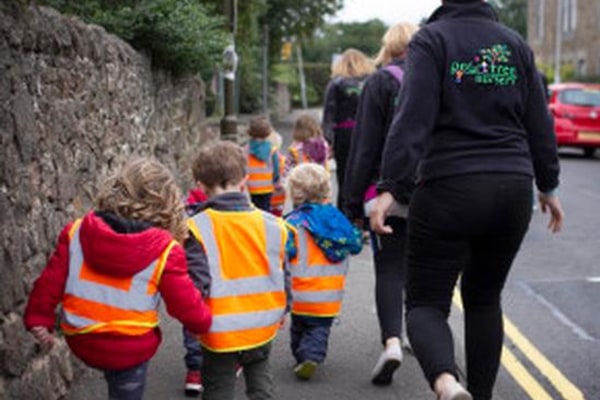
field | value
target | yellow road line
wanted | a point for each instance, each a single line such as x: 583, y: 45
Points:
x: 567, y: 389
x: 520, y: 373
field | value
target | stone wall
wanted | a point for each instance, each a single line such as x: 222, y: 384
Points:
x: 74, y: 103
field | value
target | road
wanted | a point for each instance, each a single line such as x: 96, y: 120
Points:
x: 552, y: 346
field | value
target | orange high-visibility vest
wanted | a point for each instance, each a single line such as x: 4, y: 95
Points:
x: 299, y: 155
x: 245, y: 251
x: 278, y: 197
x: 260, y: 174
x: 317, y: 283
x: 98, y: 303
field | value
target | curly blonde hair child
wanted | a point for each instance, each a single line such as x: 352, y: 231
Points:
x: 144, y: 189
x: 309, y: 183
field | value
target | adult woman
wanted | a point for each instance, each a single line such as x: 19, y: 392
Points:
x: 373, y: 118
x: 473, y: 118
x: 341, y: 99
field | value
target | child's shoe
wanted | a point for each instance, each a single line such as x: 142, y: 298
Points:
x: 388, y: 363
x: 193, y: 383
x: 305, y: 369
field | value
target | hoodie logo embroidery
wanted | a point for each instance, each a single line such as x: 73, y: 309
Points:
x: 489, y: 67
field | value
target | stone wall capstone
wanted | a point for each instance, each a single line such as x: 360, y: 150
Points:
x: 74, y: 103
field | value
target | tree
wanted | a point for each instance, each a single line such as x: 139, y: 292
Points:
x: 183, y: 36
x: 512, y: 13
x: 335, y: 38
x: 296, y: 18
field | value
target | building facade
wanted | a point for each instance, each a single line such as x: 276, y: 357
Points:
x: 580, y: 32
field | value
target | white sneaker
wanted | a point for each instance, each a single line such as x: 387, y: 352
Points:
x: 456, y: 392
x: 389, y: 361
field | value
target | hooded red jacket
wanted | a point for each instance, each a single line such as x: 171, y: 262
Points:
x: 118, y: 254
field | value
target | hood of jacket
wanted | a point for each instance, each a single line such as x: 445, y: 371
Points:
x: 231, y: 201
x: 260, y: 149
x: 330, y: 229
x: 477, y: 9
x: 120, y: 247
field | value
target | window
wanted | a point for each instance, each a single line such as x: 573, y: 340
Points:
x: 580, y: 97
x: 569, y: 15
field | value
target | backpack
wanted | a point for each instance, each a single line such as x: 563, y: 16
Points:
x: 398, y: 74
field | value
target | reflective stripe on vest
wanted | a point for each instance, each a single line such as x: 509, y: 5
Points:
x: 317, y: 283
x: 260, y: 174
x: 247, y: 305
x: 98, y: 303
x: 299, y: 156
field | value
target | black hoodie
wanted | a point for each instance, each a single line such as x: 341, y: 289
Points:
x: 373, y: 118
x: 471, y: 102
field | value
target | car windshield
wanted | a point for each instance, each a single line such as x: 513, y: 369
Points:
x: 580, y: 97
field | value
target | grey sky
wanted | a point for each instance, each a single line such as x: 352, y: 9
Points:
x: 389, y: 11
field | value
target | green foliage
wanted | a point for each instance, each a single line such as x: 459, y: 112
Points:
x: 249, y: 45
x: 335, y: 38
x: 317, y: 76
x: 512, y: 13
x: 567, y: 72
x: 296, y: 18
x: 183, y: 36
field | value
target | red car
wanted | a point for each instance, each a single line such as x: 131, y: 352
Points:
x: 575, y: 108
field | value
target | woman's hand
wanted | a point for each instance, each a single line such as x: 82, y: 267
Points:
x: 552, y: 203
x: 383, y: 202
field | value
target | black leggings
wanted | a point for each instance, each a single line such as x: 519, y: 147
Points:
x: 341, y: 148
x: 472, y: 224
x: 389, y: 260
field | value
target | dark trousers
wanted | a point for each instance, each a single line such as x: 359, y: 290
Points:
x: 309, y: 337
x: 262, y: 201
x: 193, y: 351
x: 219, y: 369
x: 126, y: 384
x: 341, y: 148
x: 389, y: 259
x: 472, y: 224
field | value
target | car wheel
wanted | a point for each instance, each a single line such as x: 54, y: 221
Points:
x: 589, y: 152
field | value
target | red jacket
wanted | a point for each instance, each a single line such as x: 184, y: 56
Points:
x: 118, y: 254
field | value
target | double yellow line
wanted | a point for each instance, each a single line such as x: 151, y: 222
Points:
x: 520, y: 374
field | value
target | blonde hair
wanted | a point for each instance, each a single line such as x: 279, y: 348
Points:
x: 260, y: 128
x: 395, y: 42
x: 220, y: 164
x: 308, y: 183
x: 145, y: 190
x: 352, y: 63
x: 305, y: 128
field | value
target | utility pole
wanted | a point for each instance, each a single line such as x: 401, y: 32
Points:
x: 302, y: 77
x: 265, y: 70
x: 230, y: 59
x: 558, y: 41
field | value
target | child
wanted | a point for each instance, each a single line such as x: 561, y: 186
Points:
x: 326, y: 239
x: 243, y: 248
x: 193, y: 350
x: 110, y: 270
x: 278, y: 197
x: 263, y: 163
x: 308, y: 144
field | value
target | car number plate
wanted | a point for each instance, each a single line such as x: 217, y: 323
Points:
x: 589, y: 135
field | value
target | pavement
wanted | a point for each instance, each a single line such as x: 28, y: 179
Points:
x: 354, y: 347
